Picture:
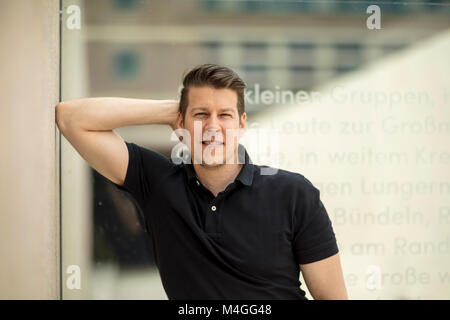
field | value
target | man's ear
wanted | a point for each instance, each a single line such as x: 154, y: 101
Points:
x: 180, y: 124
x: 242, y: 124
x: 242, y: 121
x: 180, y: 120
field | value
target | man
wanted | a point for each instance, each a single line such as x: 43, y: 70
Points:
x: 221, y: 229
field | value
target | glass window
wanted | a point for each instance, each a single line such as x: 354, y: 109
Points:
x: 360, y: 98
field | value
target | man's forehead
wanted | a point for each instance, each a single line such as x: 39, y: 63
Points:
x: 211, y: 94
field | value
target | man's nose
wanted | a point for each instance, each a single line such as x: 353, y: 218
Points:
x: 212, y: 123
x: 212, y: 127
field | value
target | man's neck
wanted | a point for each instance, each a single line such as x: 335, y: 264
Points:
x: 217, y: 178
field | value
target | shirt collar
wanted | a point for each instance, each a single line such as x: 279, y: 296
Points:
x: 245, y: 175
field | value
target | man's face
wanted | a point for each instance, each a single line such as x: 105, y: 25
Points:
x: 214, y: 125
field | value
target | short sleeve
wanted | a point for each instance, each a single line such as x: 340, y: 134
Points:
x: 314, y: 238
x: 144, y: 170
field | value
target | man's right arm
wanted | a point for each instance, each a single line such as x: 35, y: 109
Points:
x: 89, y: 123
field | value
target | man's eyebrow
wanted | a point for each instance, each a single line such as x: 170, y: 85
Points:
x: 198, y: 108
x: 228, y: 109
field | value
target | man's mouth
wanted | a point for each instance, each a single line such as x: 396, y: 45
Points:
x: 214, y: 143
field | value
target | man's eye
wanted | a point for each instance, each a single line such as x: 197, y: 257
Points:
x: 226, y: 114
x: 200, y: 114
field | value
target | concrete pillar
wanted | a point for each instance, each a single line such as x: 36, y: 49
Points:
x: 29, y: 161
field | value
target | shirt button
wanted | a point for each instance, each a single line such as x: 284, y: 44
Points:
x: 198, y: 183
x: 213, y: 208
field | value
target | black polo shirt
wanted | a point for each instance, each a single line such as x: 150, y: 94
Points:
x: 246, y: 243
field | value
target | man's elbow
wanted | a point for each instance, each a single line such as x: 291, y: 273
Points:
x: 62, y: 116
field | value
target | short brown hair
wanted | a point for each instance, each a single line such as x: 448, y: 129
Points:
x: 214, y: 76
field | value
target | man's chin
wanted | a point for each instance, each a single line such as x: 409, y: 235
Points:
x: 214, y: 163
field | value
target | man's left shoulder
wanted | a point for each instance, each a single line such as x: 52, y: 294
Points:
x: 284, y: 178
